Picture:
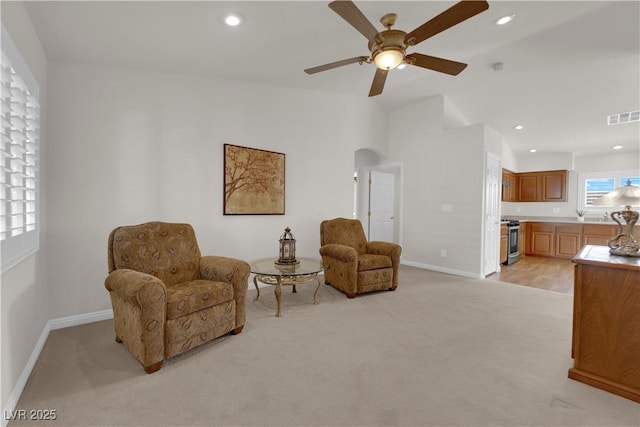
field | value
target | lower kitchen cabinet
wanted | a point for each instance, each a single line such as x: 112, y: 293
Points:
x: 596, y: 234
x: 504, y: 242
x: 541, y: 235
x: 568, y: 241
x: 564, y: 240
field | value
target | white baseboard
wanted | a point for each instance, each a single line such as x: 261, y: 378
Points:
x: 63, y: 322
x: 80, y: 319
x: 443, y: 269
x: 12, y: 401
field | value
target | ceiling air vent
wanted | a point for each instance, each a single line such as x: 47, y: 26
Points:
x: 620, y: 118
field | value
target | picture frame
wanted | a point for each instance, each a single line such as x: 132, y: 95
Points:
x: 254, y: 181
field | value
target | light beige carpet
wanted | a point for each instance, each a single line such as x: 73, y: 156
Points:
x: 440, y: 351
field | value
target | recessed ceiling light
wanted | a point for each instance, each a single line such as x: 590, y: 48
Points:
x: 233, y: 20
x: 505, y: 20
x: 532, y: 150
x: 518, y: 127
x: 617, y: 147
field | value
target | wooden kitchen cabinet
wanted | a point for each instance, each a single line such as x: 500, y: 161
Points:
x: 542, y: 239
x: 504, y: 242
x: 568, y: 241
x: 605, y: 345
x: 547, y: 186
x: 598, y: 234
x: 553, y: 186
x: 522, y: 240
x: 509, y: 186
x: 564, y: 240
x: 528, y: 184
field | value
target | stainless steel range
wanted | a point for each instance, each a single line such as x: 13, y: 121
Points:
x: 513, y: 233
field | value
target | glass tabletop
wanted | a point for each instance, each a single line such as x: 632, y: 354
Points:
x: 268, y: 267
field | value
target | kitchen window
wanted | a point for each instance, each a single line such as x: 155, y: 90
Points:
x: 592, y: 186
x: 19, y: 151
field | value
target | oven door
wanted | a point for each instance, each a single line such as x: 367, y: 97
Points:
x: 513, y: 244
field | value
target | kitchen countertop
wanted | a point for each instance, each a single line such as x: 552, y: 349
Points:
x: 564, y: 220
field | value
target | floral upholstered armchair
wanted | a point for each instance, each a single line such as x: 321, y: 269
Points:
x: 354, y: 265
x: 166, y: 297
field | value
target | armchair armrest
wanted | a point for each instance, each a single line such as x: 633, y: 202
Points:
x: 341, y: 267
x: 139, y: 303
x: 137, y: 288
x: 339, y: 252
x: 384, y: 248
x: 392, y: 250
x: 232, y: 271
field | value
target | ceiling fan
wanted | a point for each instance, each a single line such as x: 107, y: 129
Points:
x: 388, y: 47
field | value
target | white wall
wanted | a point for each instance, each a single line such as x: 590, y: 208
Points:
x: 441, y: 167
x: 532, y: 162
x: 24, y: 289
x: 610, y: 162
x: 134, y: 146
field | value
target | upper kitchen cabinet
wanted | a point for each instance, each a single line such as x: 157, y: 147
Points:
x: 509, y: 186
x: 546, y: 186
x: 528, y: 187
x: 554, y: 186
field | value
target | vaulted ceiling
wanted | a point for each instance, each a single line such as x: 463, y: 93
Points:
x: 565, y: 65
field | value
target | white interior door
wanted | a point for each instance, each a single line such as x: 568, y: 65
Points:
x: 492, y: 215
x: 381, y: 216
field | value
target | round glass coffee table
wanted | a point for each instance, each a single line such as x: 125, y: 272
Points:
x: 270, y: 273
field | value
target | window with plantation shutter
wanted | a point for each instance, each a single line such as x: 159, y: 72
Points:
x: 19, y: 166
x: 593, y: 185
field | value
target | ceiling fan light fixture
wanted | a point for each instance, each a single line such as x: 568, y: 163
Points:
x: 389, y: 58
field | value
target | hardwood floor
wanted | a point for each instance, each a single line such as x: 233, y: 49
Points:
x: 553, y: 274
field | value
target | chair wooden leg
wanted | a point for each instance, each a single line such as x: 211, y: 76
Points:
x: 237, y: 330
x: 153, y: 367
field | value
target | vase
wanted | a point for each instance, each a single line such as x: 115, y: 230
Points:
x: 580, y: 219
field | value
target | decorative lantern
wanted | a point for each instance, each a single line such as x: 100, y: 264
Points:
x: 287, y: 248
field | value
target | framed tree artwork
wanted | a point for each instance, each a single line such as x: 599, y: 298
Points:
x: 253, y: 181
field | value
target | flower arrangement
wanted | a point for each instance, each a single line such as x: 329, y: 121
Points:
x: 581, y: 213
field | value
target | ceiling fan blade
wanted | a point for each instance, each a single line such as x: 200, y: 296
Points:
x: 447, y: 19
x: 350, y: 13
x: 378, y: 82
x: 336, y: 64
x: 436, y: 64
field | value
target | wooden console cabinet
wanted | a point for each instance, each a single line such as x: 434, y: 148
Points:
x: 606, y: 322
